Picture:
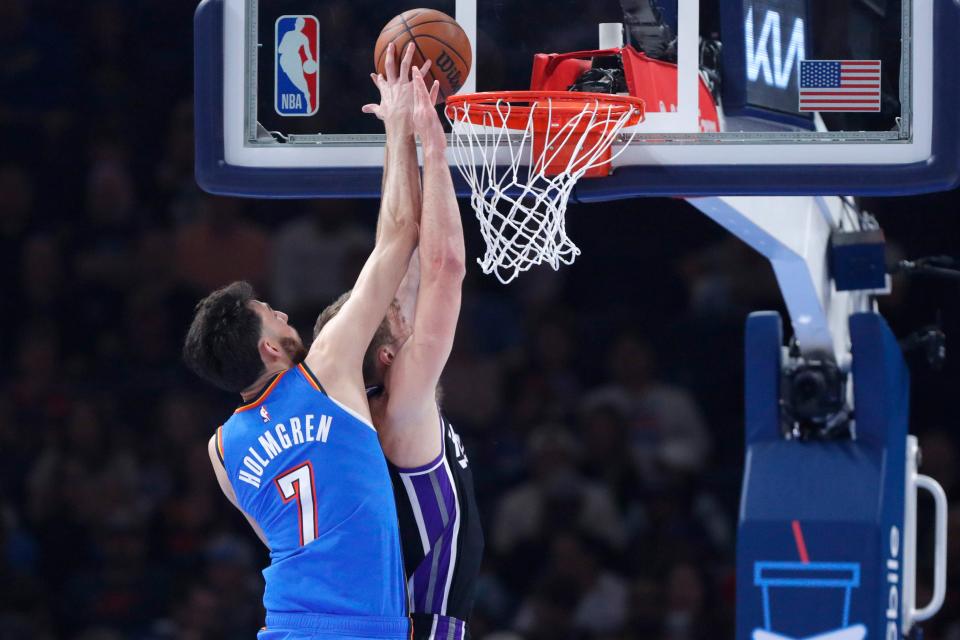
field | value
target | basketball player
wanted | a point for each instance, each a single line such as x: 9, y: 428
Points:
x: 300, y: 457
x: 439, y: 522
x: 290, y: 60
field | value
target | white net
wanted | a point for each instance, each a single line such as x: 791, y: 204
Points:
x: 521, y: 179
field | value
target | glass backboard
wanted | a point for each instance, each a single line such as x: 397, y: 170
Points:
x: 826, y: 96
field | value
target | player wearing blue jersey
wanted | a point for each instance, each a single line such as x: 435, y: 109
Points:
x: 300, y: 457
x: 439, y: 521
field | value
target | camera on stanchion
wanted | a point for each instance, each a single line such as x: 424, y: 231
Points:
x: 814, y: 400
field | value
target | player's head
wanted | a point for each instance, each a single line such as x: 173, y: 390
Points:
x: 234, y: 338
x: 301, y: 23
x: 390, y: 336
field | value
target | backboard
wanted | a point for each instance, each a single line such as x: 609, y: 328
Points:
x: 752, y: 96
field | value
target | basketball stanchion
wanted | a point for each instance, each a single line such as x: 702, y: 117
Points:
x: 522, y: 152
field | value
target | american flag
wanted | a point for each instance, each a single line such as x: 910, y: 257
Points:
x: 839, y: 85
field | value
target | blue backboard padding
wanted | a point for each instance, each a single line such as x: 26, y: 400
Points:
x: 881, y: 382
x: 847, y: 497
x: 762, y: 356
x: 822, y: 481
x: 941, y: 173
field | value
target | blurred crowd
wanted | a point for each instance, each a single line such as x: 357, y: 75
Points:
x: 601, y: 406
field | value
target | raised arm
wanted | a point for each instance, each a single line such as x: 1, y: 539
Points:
x: 409, y: 288
x: 413, y: 435
x: 336, y: 356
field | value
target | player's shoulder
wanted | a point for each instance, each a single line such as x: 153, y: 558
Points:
x: 215, y: 446
x: 304, y: 370
x: 323, y: 359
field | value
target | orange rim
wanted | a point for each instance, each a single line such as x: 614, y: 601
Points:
x: 513, y: 108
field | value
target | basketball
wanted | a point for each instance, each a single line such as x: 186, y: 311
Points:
x: 309, y: 66
x: 438, y: 38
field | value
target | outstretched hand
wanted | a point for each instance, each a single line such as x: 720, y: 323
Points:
x: 426, y: 122
x: 396, y: 91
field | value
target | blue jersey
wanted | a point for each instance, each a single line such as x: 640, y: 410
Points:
x: 312, y: 475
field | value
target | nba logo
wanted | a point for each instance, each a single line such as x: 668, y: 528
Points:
x: 296, y: 85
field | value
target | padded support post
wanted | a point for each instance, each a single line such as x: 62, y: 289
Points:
x: 763, y: 361
x: 820, y: 546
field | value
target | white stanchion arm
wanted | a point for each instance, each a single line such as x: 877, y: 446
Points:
x: 793, y: 232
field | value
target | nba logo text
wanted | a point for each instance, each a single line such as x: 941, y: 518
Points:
x: 296, y: 89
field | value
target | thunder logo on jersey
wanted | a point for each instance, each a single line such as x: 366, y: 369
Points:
x: 297, y: 80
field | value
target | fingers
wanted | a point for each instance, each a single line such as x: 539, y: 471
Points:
x: 419, y: 85
x: 425, y: 67
x: 391, y: 64
x: 378, y: 80
x: 405, y: 62
x: 434, y: 92
x: 369, y: 108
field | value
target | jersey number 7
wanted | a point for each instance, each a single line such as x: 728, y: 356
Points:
x: 298, y: 483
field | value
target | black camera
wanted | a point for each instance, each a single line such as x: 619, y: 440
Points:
x: 813, y: 400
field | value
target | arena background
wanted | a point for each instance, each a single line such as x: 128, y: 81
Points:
x: 606, y: 398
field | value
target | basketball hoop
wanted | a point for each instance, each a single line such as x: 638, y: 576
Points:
x: 521, y: 212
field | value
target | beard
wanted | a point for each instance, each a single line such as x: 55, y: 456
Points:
x: 294, y: 349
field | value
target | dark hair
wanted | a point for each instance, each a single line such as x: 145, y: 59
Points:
x: 221, y: 345
x: 381, y: 337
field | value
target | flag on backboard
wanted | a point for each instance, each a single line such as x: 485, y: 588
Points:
x: 839, y: 85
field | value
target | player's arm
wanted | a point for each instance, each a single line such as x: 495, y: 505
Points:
x: 336, y: 355
x: 409, y: 169
x: 227, y: 488
x: 413, y: 436
x: 409, y: 288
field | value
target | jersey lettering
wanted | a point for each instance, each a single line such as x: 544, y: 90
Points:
x: 275, y: 441
x: 458, y: 451
x: 298, y: 483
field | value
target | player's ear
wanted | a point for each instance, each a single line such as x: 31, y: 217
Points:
x: 386, y: 355
x: 269, y: 350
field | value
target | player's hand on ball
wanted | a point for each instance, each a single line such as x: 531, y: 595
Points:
x: 426, y: 122
x: 396, y: 92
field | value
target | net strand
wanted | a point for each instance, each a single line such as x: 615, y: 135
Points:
x: 521, y: 209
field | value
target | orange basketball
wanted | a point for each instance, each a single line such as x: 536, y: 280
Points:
x: 437, y: 37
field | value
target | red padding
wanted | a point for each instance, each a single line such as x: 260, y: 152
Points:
x: 550, y: 74
x: 652, y: 80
